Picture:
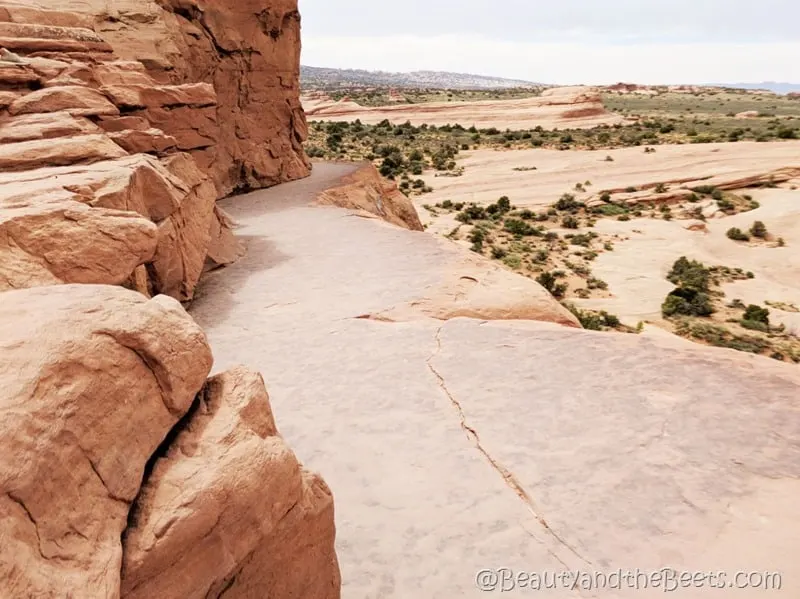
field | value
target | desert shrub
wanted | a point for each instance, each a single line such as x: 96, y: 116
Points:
x: 759, y: 229
x: 725, y: 205
x: 498, y: 253
x: 519, y: 227
x: 685, y: 301
x: 704, y: 189
x: 568, y: 203
x: 690, y: 273
x: 737, y: 234
x: 549, y: 280
x: 722, y: 337
x: 612, y: 210
x: 583, y: 239
x: 527, y: 215
x: 476, y: 235
x: 756, y: 314
x: 569, y: 222
x: 661, y: 188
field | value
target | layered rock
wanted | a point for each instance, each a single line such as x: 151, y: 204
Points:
x: 366, y: 190
x: 83, y: 138
x: 556, y: 108
x: 101, y: 417
x: 248, y: 50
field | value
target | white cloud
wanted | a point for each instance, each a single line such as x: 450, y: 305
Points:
x: 590, y: 62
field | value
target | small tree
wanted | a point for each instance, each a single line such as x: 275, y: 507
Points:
x: 759, y: 229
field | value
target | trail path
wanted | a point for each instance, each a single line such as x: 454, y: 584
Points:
x: 459, y: 445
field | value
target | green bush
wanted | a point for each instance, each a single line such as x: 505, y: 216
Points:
x: 519, y: 227
x: 569, y: 222
x: 687, y: 302
x: 737, y: 234
x: 567, y: 202
x: 759, y: 230
x: 691, y: 274
x: 549, y: 281
x: 756, y: 314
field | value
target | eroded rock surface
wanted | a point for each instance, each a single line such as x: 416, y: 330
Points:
x: 366, y: 190
x: 90, y: 142
x: 93, y: 378
x: 101, y: 416
x: 569, y: 107
x: 249, y: 51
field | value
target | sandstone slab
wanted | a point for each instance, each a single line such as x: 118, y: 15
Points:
x: 44, y: 126
x: 77, y: 100
x: 60, y: 151
x: 94, y: 377
x: 208, y: 492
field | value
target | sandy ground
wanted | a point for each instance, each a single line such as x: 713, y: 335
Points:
x: 636, y: 269
x: 460, y: 445
x: 490, y: 174
x: 576, y: 108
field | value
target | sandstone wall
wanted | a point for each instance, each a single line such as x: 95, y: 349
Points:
x: 124, y: 473
x: 249, y: 50
x: 93, y: 189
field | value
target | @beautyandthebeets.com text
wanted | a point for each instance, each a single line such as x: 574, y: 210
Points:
x: 668, y: 580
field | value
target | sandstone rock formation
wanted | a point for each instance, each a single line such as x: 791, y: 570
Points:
x: 366, y: 190
x: 83, y: 140
x: 570, y: 107
x: 249, y: 51
x: 101, y: 416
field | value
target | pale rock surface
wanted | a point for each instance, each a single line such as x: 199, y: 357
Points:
x: 575, y: 108
x: 543, y: 447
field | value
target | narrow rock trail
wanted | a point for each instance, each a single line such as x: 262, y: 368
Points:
x: 636, y: 455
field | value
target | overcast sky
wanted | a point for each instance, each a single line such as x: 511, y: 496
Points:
x: 561, y: 41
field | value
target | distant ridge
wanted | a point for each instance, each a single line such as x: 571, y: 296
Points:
x: 317, y: 77
x: 774, y: 87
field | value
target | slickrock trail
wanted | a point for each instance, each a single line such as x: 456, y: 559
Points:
x: 462, y: 444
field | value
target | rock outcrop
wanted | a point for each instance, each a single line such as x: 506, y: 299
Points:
x: 101, y: 182
x: 248, y: 50
x: 123, y: 474
x: 366, y: 190
x: 556, y: 108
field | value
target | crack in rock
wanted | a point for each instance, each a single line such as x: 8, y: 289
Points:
x: 507, y: 475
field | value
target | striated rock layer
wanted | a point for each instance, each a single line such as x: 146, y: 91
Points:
x: 101, y: 416
x: 249, y: 50
x: 101, y: 181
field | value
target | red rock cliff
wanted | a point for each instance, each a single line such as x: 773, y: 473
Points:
x: 248, y: 49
